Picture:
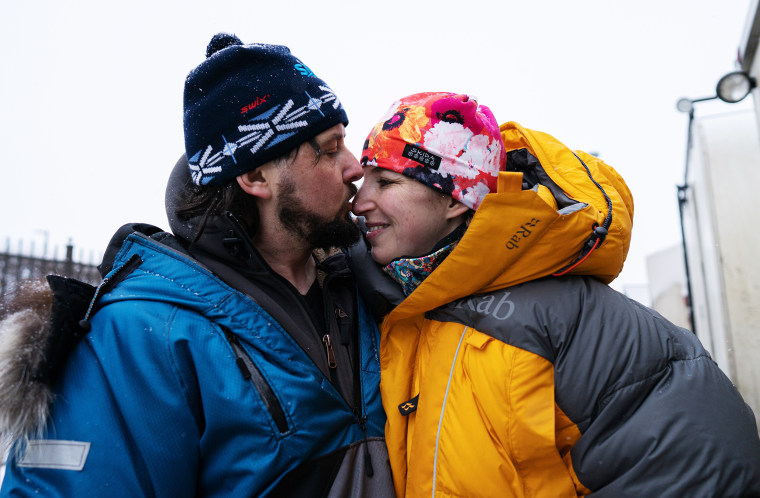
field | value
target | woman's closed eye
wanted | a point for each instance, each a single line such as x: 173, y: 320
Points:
x: 385, y: 182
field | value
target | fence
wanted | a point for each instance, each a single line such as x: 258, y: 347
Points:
x: 21, y: 265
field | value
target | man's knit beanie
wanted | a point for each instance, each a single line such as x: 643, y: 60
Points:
x: 246, y: 105
x: 446, y: 141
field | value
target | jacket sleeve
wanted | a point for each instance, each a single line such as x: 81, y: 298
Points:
x: 656, y: 414
x: 120, y: 423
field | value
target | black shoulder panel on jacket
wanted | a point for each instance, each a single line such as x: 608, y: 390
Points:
x: 71, y: 298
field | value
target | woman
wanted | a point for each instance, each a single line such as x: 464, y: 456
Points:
x: 509, y: 367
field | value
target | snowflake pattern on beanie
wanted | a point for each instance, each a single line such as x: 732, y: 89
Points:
x: 246, y: 105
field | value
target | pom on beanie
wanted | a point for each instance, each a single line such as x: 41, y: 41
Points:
x: 446, y: 141
x: 246, y: 105
x: 220, y: 41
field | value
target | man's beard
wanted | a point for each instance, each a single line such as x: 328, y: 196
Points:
x: 318, y: 232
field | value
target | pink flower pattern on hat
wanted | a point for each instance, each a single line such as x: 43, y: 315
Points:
x: 456, y: 110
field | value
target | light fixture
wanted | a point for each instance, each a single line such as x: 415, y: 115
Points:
x: 733, y: 87
x: 685, y: 105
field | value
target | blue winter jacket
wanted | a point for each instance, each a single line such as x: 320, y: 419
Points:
x: 185, y: 386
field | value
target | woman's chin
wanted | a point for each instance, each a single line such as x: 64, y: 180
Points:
x: 380, y: 259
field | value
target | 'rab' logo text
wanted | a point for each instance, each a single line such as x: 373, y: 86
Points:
x: 254, y: 104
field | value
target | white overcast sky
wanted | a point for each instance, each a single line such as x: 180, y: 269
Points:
x: 91, y: 91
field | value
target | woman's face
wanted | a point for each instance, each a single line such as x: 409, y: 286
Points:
x: 404, y: 217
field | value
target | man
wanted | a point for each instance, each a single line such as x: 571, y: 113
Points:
x: 225, y: 359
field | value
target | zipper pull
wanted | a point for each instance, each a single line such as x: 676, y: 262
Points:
x: 330, y: 353
x: 369, y: 469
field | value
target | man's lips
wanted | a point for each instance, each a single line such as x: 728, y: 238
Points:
x: 350, y: 196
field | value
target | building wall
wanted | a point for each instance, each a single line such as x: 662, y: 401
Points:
x: 723, y: 241
x: 667, y: 285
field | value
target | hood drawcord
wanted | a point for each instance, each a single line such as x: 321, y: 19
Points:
x: 598, y: 233
x: 107, y: 285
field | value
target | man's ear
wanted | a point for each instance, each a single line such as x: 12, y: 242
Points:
x: 257, y: 182
x: 455, y: 209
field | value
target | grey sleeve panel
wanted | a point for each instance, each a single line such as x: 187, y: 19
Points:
x: 685, y: 433
x: 352, y: 479
x: 342, y: 473
x: 657, y: 415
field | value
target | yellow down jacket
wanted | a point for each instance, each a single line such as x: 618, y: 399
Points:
x: 514, y: 370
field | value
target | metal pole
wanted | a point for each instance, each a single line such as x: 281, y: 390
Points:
x: 682, y: 198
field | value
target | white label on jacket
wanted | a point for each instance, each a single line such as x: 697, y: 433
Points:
x: 55, y: 454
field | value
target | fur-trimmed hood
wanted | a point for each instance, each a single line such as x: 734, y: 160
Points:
x: 24, y: 332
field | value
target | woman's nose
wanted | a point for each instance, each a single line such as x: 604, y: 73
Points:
x: 361, y: 202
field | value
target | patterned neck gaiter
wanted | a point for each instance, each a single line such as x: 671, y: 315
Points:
x: 410, y: 272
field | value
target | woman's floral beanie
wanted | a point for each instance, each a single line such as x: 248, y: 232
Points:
x: 444, y: 140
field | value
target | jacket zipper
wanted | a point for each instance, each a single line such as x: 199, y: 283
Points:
x: 345, y: 328
x: 251, y: 372
x: 443, y: 408
x: 330, y: 352
x: 359, y: 414
x: 345, y: 331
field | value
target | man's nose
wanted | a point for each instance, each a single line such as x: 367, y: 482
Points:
x: 352, y: 170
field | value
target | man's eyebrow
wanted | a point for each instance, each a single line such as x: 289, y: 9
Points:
x: 334, y: 136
